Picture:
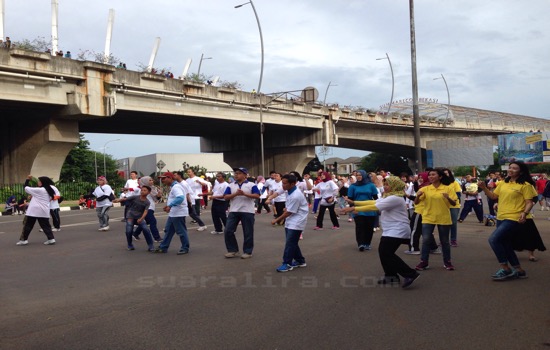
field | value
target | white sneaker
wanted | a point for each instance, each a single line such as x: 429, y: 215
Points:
x: 56, y: 229
x: 201, y: 228
x: 214, y: 232
x: 22, y: 243
x: 50, y: 242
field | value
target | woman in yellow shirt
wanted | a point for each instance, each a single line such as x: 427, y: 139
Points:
x: 437, y: 199
x: 515, y: 199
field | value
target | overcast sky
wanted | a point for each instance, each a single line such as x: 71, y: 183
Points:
x: 494, y: 54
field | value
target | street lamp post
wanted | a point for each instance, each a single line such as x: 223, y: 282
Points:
x: 392, y: 79
x: 259, y: 83
x: 326, y: 91
x: 416, y: 114
x: 200, y: 63
x: 448, y: 98
x: 104, y: 163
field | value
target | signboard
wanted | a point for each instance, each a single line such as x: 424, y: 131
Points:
x: 529, y: 147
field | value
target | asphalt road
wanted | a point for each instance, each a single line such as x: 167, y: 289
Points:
x: 89, y: 292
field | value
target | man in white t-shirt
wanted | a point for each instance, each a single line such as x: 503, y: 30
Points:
x: 295, y: 217
x: 176, y: 207
x: 196, y: 184
x: 219, y: 204
x: 242, y: 194
x: 131, y: 188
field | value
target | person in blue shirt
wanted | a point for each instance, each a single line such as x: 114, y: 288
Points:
x: 363, y: 190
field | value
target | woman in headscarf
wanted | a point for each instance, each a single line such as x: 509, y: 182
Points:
x: 363, y: 190
x: 394, y: 219
x: 38, y: 209
x: 154, y: 196
x: 327, y: 190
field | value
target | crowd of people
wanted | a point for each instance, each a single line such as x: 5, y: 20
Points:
x: 405, y: 208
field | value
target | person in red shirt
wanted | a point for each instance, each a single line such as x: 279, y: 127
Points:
x: 540, y: 184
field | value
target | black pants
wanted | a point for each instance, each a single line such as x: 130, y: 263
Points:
x: 56, y: 219
x: 263, y: 205
x: 28, y: 224
x: 364, y: 227
x: 219, y: 215
x: 416, y: 233
x: 468, y: 206
x: 193, y: 214
x: 321, y: 216
x: 279, y: 208
x: 392, y: 264
x: 491, y: 204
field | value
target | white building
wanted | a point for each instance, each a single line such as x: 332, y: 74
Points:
x: 147, y: 165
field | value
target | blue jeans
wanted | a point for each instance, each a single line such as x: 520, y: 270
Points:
x: 292, y: 250
x: 151, y: 220
x: 247, y: 221
x: 143, y: 226
x: 501, y: 241
x: 454, y: 225
x: 175, y: 225
x: 103, y: 216
x: 427, y: 241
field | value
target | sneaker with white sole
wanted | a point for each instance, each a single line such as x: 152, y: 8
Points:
x: 285, y: 268
x: 49, y: 242
x: 201, y: 228
x: 22, y: 243
x: 56, y: 229
x: 503, y: 274
x: 246, y: 256
x: 232, y: 255
x: 296, y: 264
x: 106, y: 228
x: 412, y: 252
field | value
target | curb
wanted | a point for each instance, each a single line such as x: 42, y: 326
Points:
x: 76, y: 207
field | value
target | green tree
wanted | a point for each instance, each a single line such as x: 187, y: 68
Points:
x: 389, y: 162
x: 80, y: 164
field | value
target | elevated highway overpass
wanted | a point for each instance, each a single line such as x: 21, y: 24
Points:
x: 46, y: 101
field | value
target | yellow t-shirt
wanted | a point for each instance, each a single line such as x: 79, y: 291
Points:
x: 456, y: 188
x: 511, y: 199
x: 436, y: 207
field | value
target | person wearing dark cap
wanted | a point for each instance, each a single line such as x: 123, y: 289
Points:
x: 176, y: 207
x: 38, y: 210
x: 242, y: 194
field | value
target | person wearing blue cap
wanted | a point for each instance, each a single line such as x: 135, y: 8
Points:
x: 242, y: 195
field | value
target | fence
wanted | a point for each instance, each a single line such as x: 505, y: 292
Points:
x: 69, y: 190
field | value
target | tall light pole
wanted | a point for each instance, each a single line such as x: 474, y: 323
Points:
x: 392, y: 79
x: 326, y: 91
x: 448, y: 97
x: 259, y: 84
x: 416, y: 114
x: 200, y: 63
x: 104, y: 163
x: 95, y: 163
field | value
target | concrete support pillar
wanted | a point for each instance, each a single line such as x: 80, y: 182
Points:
x: 279, y: 159
x: 36, y: 146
